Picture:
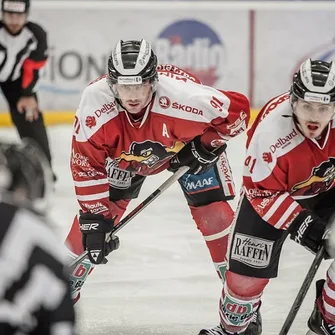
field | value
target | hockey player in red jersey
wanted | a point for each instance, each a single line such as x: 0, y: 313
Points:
x: 138, y: 120
x: 288, y: 189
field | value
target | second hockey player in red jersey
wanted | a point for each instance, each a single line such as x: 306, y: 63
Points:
x: 288, y: 190
x: 138, y: 120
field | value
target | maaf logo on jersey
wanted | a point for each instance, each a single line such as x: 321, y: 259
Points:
x: 193, y: 46
x: 321, y: 180
x: 145, y: 157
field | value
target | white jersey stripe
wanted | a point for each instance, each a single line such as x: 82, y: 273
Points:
x: 328, y: 308
x: 275, y: 206
x: 95, y: 196
x: 329, y: 292
x: 286, y: 215
x: 90, y: 182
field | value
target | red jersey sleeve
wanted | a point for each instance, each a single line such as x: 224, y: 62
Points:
x: 230, y: 115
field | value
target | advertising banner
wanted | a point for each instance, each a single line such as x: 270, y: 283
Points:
x: 283, y: 40
x: 253, y: 51
x: 80, y: 42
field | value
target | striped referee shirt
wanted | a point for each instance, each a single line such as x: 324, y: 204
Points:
x: 22, y: 55
x: 34, y: 290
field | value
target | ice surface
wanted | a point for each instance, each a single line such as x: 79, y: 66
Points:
x: 161, y: 280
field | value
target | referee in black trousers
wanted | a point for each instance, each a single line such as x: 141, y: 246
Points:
x: 23, y: 52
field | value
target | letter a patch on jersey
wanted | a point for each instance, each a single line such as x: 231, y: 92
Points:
x: 165, y: 131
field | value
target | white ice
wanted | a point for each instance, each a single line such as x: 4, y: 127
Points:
x: 161, y: 280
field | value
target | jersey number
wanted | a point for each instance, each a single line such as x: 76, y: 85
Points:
x: 76, y: 125
x: 250, y: 163
x: 216, y: 103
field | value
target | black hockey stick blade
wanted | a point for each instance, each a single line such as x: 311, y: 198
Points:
x: 303, y: 290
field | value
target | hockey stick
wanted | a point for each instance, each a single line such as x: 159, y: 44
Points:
x: 303, y: 290
x: 136, y: 210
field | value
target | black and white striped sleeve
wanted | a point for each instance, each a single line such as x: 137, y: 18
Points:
x: 34, y: 290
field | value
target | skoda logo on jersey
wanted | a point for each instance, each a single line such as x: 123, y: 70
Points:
x: 164, y: 102
x: 193, y: 46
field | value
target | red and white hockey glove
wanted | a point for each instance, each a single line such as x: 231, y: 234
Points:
x: 308, y: 230
x: 95, y: 228
x: 196, y: 156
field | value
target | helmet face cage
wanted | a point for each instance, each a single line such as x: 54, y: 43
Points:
x: 15, y: 6
x: 314, y: 82
x: 132, y: 63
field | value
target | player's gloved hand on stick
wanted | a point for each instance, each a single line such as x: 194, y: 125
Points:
x: 95, y: 228
x: 309, y: 230
x: 196, y: 156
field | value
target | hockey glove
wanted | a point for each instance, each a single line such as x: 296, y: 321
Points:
x: 309, y: 230
x: 95, y: 228
x: 194, y: 155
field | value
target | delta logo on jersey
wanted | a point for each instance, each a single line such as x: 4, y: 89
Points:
x: 324, y: 52
x: 194, y: 47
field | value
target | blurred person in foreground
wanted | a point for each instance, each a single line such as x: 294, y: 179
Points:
x: 34, y: 292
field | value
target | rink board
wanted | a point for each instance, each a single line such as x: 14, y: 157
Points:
x: 244, y: 47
